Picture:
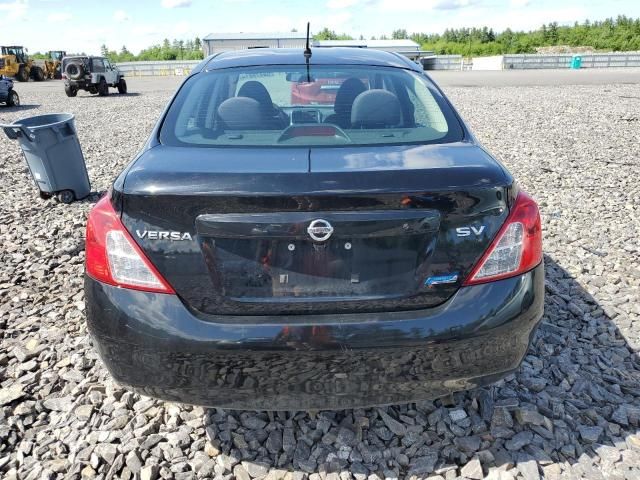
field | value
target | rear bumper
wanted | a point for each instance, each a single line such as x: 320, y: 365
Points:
x: 155, y: 345
x: 79, y: 84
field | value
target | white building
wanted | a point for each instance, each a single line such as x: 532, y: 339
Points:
x: 406, y: 47
x: 223, y: 42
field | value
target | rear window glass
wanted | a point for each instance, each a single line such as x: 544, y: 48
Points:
x: 321, y: 106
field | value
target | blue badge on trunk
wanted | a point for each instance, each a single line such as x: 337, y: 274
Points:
x: 441, y: 279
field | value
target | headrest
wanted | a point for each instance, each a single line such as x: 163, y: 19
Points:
x: 347, y: 93
x: 241, y: 113
x: 375, y: 109
x: 258, y: 92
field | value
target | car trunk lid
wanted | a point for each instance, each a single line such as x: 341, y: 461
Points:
x: 403, y: 225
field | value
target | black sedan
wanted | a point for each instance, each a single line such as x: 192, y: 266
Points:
x: 311, y: 233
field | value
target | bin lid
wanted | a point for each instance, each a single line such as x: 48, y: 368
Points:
x: 44, y: 121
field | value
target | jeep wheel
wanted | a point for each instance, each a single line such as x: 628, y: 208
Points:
x: 70, y: 91
x: 103, y: 88
x: 37, y: 74
x: 74, y: 70
x: 13, y: 100
x: 122, y: 86
x: 22, y: 75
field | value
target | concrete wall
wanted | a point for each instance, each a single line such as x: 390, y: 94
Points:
x: 488, y: 63
x: 591, y: 60
x: 438, y: 62
x: 442, y: 62
x: 157, y: 68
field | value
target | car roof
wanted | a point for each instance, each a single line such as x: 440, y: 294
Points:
x: 295, y: 56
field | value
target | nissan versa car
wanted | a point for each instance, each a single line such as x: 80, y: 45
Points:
x: 352, y: 248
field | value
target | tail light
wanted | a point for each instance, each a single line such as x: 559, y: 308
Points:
x: 517, y: 247
x: 113, y: 257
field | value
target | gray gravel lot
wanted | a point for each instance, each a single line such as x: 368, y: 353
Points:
x: 571, y: 411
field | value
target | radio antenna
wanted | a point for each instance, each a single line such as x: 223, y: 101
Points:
x: 307, y: 54
x: 307, y: 50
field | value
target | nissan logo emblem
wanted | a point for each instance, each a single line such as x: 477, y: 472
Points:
x: 320, y: 230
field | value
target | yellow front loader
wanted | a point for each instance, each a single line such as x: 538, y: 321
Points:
x: 56, y: 57
x: 14, y: 62
x: 47, y: 66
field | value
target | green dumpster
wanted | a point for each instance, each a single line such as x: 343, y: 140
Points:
x: 576, y: 62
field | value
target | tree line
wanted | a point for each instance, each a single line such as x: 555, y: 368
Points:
x: 167, y: 50
x: 621, y: 34
x: 612, y: 34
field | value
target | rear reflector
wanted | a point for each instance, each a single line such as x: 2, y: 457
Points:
x: 113, y: 257
x: 517, y: 247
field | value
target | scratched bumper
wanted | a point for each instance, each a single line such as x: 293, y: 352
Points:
x: 153, y: 344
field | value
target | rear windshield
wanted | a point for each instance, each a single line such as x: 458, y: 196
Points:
x: 324, y: 105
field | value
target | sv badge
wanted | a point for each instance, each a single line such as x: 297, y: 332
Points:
x: 467, y: 231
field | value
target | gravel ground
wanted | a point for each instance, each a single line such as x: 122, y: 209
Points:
x: 571, y: 411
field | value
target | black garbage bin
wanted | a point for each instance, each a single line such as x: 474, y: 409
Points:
x: 52, y: 150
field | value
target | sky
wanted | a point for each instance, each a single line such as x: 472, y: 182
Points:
x: 83, y: 26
